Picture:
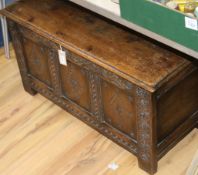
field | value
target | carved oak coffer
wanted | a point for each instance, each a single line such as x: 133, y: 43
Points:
x: 138, y: 93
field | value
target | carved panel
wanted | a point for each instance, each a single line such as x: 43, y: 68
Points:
x: 114, y: 135
x: 75, y: 85
x: 37, y: 60
x: 119, y: 109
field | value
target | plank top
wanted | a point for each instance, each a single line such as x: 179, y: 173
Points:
x: 113, y: 47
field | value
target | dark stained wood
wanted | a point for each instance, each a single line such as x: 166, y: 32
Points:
x: 146, y: 130
x: 75, y: 85
x: 140, y: 61
x: 119, y: 105
x: 37, y: 61
x: 17, y: 42
x: 140, y: 95
x: 174, y: 112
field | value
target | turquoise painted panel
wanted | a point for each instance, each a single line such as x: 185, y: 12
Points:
x: 161, y: 20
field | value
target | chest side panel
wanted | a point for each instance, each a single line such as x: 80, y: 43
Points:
x: 177, y: 109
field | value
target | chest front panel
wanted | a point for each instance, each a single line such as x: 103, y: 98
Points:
x: 75, y: 84
x: 37, y: 60
x: 119, y: 108
x: 107, y: 98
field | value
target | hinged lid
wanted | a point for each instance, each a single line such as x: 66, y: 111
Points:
x: 103, y: 42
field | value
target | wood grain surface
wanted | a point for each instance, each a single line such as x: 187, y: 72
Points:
x: 39, y: 138
x: 114, y: 55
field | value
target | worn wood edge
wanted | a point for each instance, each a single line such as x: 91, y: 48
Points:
x: 76, y: 50
x: 86, y: 55
x: 165, y: 145
x: 177, y: 77
x: 180, y: 68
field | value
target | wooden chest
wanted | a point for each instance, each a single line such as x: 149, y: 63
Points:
x: 141, y: 95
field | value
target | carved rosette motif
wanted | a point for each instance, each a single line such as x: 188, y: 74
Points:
x: 144, y: 124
